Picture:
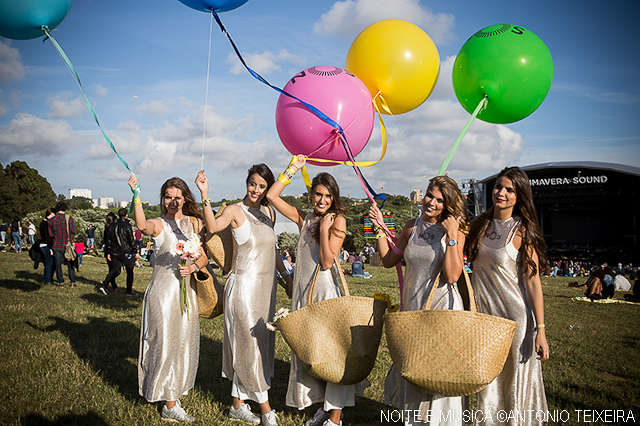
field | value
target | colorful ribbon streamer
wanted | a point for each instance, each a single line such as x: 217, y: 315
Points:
x: 481, y: 106
x: 71, y: 68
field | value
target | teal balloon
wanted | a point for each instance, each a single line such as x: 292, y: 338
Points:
x: 508, y: 64
x: 23, y: 19
x: 217, y: 5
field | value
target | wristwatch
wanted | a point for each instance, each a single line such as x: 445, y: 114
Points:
x: 197, y: 268
x: 452, y: 243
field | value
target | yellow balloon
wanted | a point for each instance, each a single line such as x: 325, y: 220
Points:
x: 398, y: 62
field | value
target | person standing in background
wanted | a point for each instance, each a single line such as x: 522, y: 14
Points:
x: 58, y: 231
x: 3, y: 232
x: 46, y: 246
x: 91, y: 233
x: 15, y: 229
x: 31, y: 233
x: 122, y: 250
x: 79, y: 245
x: 113, y: 273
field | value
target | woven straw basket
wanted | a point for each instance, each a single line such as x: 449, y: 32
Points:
x: 447, y: 352
x: 208, y: 289
x: 219, y: 246
x: 209, y: 294
x: 336, y: 339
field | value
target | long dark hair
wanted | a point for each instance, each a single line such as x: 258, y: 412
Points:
x: 190, y: 207
x: 532, y: 239
x: 265, y: 173
x: 111, y: 217
x: 328, y: 181
x: 453, y: 201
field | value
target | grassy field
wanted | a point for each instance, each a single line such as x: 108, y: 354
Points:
x: 69, y: 355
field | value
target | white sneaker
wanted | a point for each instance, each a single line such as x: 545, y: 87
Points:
x: 243, y: 413
x: 330, y: 423
x: 270, y: 419
x: 319, y: 418
x: 175, y: 414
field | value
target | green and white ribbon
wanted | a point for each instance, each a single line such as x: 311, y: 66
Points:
x: 65, y: 58
x: 481, y: 106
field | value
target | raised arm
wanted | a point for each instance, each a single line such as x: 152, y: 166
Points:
x: 231, y: 215
x: 147, y: 227
x: 292, y: 213
x: 388, y: 257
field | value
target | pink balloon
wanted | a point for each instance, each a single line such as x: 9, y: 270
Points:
x: 338, y: 94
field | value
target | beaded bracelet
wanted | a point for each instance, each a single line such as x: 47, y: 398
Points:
x: 206, y: 201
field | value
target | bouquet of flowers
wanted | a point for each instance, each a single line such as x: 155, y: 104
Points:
x: 282, y: 312
x: 186, y: 250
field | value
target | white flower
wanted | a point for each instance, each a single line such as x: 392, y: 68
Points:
x: 191, y: 247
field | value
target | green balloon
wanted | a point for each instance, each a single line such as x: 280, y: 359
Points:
x: 509, y: 65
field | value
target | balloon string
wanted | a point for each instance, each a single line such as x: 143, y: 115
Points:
x: 206, y: 96
x: 73, y: 72
x: 481, y: 106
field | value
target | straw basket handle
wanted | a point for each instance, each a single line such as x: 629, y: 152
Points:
x: 312, y: 287
x: 473, y: 306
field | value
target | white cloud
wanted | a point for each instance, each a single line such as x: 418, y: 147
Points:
x: 154, y: 108
x: 27, y: 135
x: 159, y: 108
x: 101, y: 90
x: 349, y: 17
x: 262, y: 63
x: 126, y: 139
x: 62, y: 106
x: 11, y: 68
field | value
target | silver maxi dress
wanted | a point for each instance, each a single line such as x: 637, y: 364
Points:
x: 248, y: 352
x: 304, y: 389
x: 169, y: 340
x: 499, y: 288
x: 424, y: 256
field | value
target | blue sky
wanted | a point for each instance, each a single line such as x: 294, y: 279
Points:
x: 143, y: 65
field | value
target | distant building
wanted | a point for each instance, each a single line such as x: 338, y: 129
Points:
x: 76, y: 192
x: 123, y: 204
x: 416, y: 196
x: 105, y: 202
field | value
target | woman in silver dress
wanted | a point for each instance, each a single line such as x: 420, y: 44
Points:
x: 432, y: 245
x: 169, y: 338
x: 322, y: 233
x: 507, y: 248
x: 248, y: 352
